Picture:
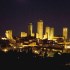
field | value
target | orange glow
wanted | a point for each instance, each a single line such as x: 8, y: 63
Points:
x: 5, y: 50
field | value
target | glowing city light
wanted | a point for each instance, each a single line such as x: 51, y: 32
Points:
x: 5, y: 50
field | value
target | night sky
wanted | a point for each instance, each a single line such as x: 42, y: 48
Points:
x: 16, y: 14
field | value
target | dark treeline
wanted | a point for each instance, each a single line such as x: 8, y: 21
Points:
x: 29, y: 60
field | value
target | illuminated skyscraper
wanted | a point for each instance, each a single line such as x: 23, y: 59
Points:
x: 47, y: 32
x: 23, y: 34
x: 51, y: 33
x: 9, y: 34
x: 30, y: 29
x: 40, y: 29
x: 65, y: 32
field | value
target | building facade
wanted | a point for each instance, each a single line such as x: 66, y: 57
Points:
x: 65, y: 32
x: 40, y: 29
x: 9, y: 34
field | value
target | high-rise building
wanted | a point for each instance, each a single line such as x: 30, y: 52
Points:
x: 40, y: 29
x: 47, y: 32
x: 23, y: 34
x: 30, y: 29
x: 51, y: 33
x: 65, y: 32
x: 9, y: 34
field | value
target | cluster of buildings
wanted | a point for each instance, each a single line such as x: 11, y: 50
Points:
x: 45, y: 40
x: 49, y: 32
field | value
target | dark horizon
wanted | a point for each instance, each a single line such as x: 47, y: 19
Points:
x: 17, y: 14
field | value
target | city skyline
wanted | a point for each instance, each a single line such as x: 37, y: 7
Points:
x: 34, y: 29
x: 17, y: 14
x: 42, y: 32
x: 35, y: 33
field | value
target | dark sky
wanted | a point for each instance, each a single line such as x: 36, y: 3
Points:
x: 16, y: 14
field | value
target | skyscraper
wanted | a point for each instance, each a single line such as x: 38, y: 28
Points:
x: 65, y: 32
x: 9, y: 34
x: 30, y: 29
x: 40, y: 29
x: 51, y: 33
x: 47, y: 32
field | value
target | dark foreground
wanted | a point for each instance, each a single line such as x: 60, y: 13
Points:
x: 23, y: 60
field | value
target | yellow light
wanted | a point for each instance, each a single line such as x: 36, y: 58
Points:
x: 5, y: 50
x: 20, y: 47
x: 23, y: 34
x: 14, y: 47
x: 36, y: 52
x: 4, y: 38
x: 68, y: 47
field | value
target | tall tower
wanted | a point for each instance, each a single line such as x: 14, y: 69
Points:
x: 47, y: 32
x: 9, y: 34
x: 30, y: 29
x: 40, y: 29
x: 51, y: 33
x: 65, y: 33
